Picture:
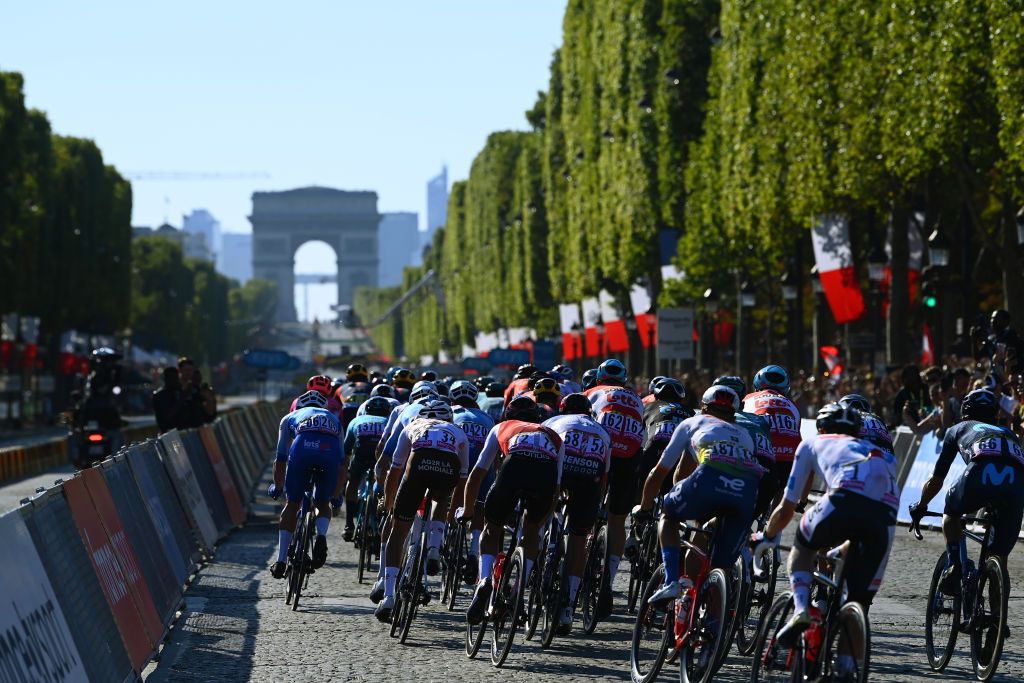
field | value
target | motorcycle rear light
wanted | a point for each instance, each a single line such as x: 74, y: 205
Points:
x: 95, y: 437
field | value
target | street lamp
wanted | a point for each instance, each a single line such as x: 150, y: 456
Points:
x: 790, y: 294
x: 938, y: 249
x: 748, y: 295
x: 817, y: 322
x: 877, y: 261
x: 789, y: 291
x: 747, y: 300
x: 707, y: 333
x: 876, y: 264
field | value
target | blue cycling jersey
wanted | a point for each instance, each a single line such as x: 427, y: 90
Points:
x: 476, y: 424
x: 307, y: 422
x: 364, y: 433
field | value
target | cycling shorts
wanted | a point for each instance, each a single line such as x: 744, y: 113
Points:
x: 584, y: 501
x: 301, y: 462
x: 428, y: 471
x: 622, y: 485
x: 649, y: 457
x: 844, y: 516
x: 768, y: 487
x: 707, y: 493
x: 998, y: 484
x: 360, y: 464
x: 782, y: 469
x: 486, y: 484
x: 521, y: 478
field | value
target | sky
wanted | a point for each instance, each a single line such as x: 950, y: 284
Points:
x: 368, y: 95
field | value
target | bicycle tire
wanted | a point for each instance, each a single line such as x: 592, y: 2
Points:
x: 734, y: 593
x: 541, y: 582
x: 853, y: 626
x: 475, y: 637
x: 362, y: 539
x: 509, y: 601
x: 304, y: 548
x: 772, y: 663
x: 938, y: 606
x: 556, y: 598
x: 988, y: 621
x: 711, y: 606
x: 415, y: 586
x: 759, y: 598
x: 398, y: 615
x: 446, y: 544
x: 650, y: 620
x: 593, y: 577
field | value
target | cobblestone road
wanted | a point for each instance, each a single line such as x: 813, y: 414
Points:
x: 237, y: 628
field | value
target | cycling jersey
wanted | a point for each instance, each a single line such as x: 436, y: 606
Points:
x: 361, y: 439
x: 976, y: 441
x: 660, y: 420
x: 587, y: 445
x: 308, y: 438
x: 352, y: 395
x: 783, y: 420
x: 434, y: 456
x: 308, y: 421
x: 714, y: 443
x: 514, y: 438
x: 531, y: 469
x: 621, y: 413
x: 433, y: 435
x: 492, y: 405
x: 476, y: 424
x: 401, y: 416
x: 516, y: 387
x: 845, y: 464
x: 874, y: 430
x: 648, y: 399
x: 568, y: 386
x: 334, y: 406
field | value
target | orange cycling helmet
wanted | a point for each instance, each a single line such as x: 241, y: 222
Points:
x: 403, y: 379
x: 321, y: 384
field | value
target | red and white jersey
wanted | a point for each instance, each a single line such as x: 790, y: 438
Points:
x: 516, y: 387
x: 783, y: 419
x: 621, y: 412
x: 518, y: 438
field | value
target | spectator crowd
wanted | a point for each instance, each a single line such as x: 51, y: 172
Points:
x: 184, y: 401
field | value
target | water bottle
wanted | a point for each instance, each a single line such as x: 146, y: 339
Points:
x: 683, y: 605
x: 813, y: 635
x: 499, y: 566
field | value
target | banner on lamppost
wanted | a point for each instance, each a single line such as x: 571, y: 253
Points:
x: 834, y: 257
x: 675, y: 334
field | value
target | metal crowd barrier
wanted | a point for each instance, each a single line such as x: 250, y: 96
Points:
x: 97, y: 566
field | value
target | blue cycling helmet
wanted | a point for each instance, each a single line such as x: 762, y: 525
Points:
x: 772, y: 378
x: 980, y: 405
x: 463, y: 390
x: 563, y: 372
x: 733, y: 382
x: 421, y: 389
x: 611, y: 372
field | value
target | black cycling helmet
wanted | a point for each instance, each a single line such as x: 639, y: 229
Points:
x: 442, y: 389
x: 980, y: 405
x: 589, y: 378
x: 575, y: 404
x: 522, y: 408
x: 524, y: 371
x: 856, y: 401
x: 356, y: 372
x: 428, y: 375
x: 483, y: 381
x: 383, y: 390
x: 376, y: 378
x: 494, y: 390
x: 377, y: 406
x: 668, y: 389
x: 653, y: 383
x: 562, y: 372
x: 733, y: 382
x: 834, y: 418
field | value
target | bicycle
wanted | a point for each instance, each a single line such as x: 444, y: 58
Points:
x: 367, y: 536
x: 454, y: 550
x: 757, y: 592
x: 840, y: 628
x: 694, y: 623
x: 299, y: 550
x: 646, y: 556
x: 978, y: 610
x: 595, y: 574
x: 411, y: 591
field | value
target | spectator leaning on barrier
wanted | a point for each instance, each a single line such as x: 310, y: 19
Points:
x: 167, y: 401
x: 199, y: 403
x: 912, y: 402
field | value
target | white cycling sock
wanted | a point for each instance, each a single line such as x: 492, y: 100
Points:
x: 574, y: 587
x: 322, y: 523
x: 800, y: 582
x: 436, y: 535
x: 613, y: 567
x: 284, y: 538
x: 486, y: 566
x: 474, y: 542
x: 390, y: 579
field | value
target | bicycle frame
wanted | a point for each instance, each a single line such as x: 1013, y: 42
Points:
x: 682, y: 635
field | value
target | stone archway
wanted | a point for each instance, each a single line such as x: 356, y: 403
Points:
x: 284, y: 221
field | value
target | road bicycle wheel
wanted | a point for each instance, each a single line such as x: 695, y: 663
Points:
x: 653, y: 631
x: 475, y: 637
x: 772, y: 662
x: 988, y: 623
x: 449, y: 561
x: 556, y: 597
x: 759, y: 594
x: 737, y: 578
x: 640, y: 568
x: 593, y: 577
x: 850, y: 640
x: 363, y: 538
x: 541, y: 579
x: 941, y: 622
x: 401, y: 604
x: 303, y: 550
x: 414, y: 587
x: 508, y: 605
x: 697, y: 661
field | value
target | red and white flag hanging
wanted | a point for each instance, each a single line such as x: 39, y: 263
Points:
x: 834, y: 256
x: 569, y: 322
x: 927, y: 350
x: 591, y: 316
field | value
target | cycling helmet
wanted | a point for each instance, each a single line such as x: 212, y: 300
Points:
x: 611, y: 372
x: 376, y: 378
x: 403, y: 378
x: 383, y: 390
x: 980, y: 405
x: 311, y: 399
x: 321, y: 383
x: 356, y: 372
x: 522, y: 408
x: 654, y: 381
x: 855, y: 401
x: 428, y: 376
x: 563, y: 372
x: 483, y: 381
x: 391, y: 372
x: 773, y: 378
x: 669, y: 389
x: 733, y: 382
x: 834, y: 418
x: 441, y: 388
x: 524, y: 371
x: 575, y: 404
x: 377, y: 405
x: 721, y: 397
x: 546, y: 386
x: 436, y: 410
x: 421, y: 389
x: 463, y: 390
x: 495, y: 390
x: 589, y: 378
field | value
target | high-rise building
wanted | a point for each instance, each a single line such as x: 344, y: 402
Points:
x: 400, y: 245
x: 437, y: 204
x: 202, y: 222
x: 192, y: 245
x: 235, y: 256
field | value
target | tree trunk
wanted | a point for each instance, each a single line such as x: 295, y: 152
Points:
x: 898, y: 352
x: 1013, y: 277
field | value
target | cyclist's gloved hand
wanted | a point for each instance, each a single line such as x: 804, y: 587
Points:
x: 759, y: 537
x: 273, y: 491
x: 641, y: 515
x: 917, y: 511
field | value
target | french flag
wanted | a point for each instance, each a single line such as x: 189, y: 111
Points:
x: 834, y: 256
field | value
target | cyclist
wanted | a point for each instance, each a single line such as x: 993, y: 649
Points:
x: 428, y: 376
x: 354, y: 390
x: 717, y: 477
x: 661, y: 417
x: 520, y: 381
x: 994, y: 477
x: 860, y: 503
x: 565, y: 377
x: 308, y: 437
x: 493, y: 400
x: 403, y: 381
x: 759, y: 430
x: 431, y: 458
x: 384, y: 391
x: 584, y: 477
x: 322, y: 385
x: 361, y: 438
x: 546, y: 392
x: 529, y: 469
x: 477, y: 425
x: 483, y: 381
x: 619, y: 410
x: 589, y: 379
x: 872, y: 428
x: 650, y: 398
x: 771, y: 400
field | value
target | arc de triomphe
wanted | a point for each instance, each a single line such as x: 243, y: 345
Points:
x: 284, y: 221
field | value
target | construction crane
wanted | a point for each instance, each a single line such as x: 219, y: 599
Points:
x: 190, y: 175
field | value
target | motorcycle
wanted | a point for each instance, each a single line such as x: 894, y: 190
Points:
x: 89, y: 444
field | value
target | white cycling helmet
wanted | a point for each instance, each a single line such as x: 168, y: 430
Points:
x: 311, y: 399
x: 463, y: 389
x: 436, y: 410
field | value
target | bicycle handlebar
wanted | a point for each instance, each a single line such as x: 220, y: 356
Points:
x: 915, y: 526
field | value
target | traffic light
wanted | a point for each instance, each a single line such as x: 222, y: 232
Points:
x: 930, y: 301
